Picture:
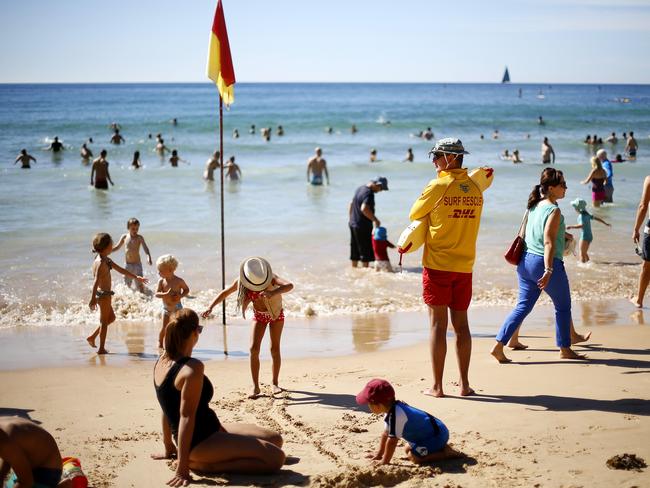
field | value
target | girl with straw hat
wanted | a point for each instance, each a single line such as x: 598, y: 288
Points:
x: 258, y: 285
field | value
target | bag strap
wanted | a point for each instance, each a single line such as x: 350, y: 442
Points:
x: 522, y: 227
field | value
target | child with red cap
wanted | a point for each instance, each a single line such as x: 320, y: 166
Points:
x: 426, y: 435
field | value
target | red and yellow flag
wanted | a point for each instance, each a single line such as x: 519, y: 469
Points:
x: 220, y: 69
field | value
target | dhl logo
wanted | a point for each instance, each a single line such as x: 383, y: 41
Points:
x: 463, y: 213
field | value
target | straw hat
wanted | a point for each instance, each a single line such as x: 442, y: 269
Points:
x: 255, y: 274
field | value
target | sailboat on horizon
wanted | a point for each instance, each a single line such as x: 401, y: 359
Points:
x: 506, y: 76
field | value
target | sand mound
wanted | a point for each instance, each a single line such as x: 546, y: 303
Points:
x: 374, y: 476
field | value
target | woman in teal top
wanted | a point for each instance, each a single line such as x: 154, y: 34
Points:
x: 542, y: 266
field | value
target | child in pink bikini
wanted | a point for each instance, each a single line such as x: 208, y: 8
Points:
x: 258, y: 285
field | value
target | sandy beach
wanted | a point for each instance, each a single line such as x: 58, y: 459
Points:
x: 537, y: 422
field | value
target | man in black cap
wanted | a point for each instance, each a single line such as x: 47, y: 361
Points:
x: 362, y: 220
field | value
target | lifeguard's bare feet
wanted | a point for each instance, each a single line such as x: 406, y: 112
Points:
x: 466, y: 391
x: 434, y: 392
x: 255, y: 394
x: 277, y: 390
x: 578, y: 338
x: 102, y: 351
x: 91, y: 341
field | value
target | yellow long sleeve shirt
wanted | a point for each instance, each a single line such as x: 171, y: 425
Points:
x: 451, y: 205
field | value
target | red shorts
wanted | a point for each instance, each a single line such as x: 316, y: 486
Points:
x: 447, y: 288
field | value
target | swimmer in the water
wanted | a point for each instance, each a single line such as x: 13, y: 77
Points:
x: 211, y: 165
x: 175, y: 159
x: 409, y: 156
x: 316, y: 166
x: 85, y: 153
x: 233, y: 172
x: 117, y: 137
x: 24, y: 159
x: 56, y: 145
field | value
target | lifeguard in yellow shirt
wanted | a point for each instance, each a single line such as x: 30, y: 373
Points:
x: 450, y: 206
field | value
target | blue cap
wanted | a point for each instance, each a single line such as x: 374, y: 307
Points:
x: 380, y: 234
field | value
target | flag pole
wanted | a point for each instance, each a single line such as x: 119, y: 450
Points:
x: 223, y: 241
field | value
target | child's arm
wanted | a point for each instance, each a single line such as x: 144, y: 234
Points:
x: 382, y: 447
x: 159, y: 292
x: 120, y: 243
x: 221, y: 297
x: 126, y: 272
x: 576, y: 226
x: 390, y: 244
x: 146, y: 250
x: 185, y: 290
x: 283, y: 287
x: 389, y: 449
x: 93, y: 298
x: 602, y: 221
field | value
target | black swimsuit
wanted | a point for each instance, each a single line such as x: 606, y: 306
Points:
x: 169, y: 398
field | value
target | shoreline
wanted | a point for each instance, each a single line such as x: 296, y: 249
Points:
x: 564, y: 418
x: 321, y: 337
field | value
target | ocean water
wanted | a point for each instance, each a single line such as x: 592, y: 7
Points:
x: 49, y: 214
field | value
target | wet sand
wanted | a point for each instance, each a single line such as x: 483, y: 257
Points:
x: 539, y: 421
x: 134, y: 341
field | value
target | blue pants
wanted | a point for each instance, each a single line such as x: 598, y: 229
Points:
x: 529, y: 270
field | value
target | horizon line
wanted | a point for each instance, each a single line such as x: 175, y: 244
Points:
x: 317, y: 82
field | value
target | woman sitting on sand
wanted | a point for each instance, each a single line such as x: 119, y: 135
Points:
x: 202, y: 442
x: 542, y: 267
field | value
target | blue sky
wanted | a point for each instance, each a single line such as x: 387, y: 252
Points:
x: 559, y: 41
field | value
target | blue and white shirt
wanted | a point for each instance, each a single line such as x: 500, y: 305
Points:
x: 410, y: 423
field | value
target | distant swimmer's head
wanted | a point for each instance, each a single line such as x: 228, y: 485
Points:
x: 166, y: 264
x: 183, y: 326
x: 174, y: 152
x: 101, y: 242
x: 601, y: 154
x: 23, y: 152
x: 133, y: 224
x: 56, y: 138
x: 136, y: 154
x: 103, y: 153
x: 117, y: 131
x: 631, y: 134
x: 378, y: 394
x: 216, y: 154
x: 380, y: 183
x: 232, y: 159
x: 318, y: 151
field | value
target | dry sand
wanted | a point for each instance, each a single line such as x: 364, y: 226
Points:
x: 537, y: 422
